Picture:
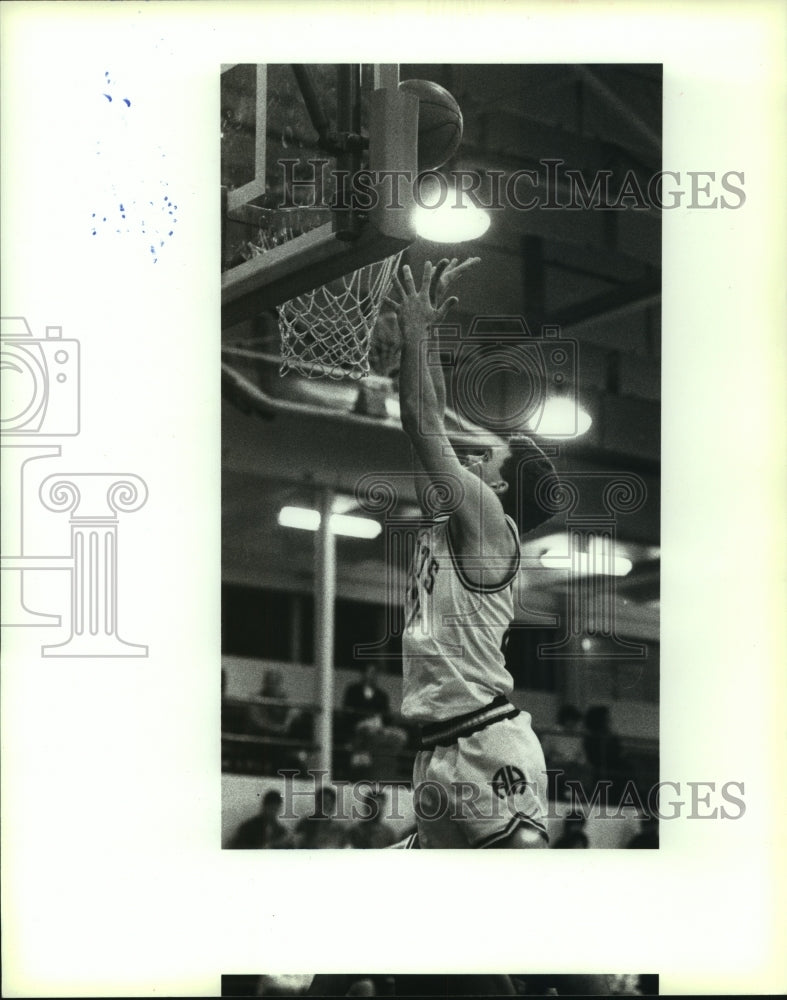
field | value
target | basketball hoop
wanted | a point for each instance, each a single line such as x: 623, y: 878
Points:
x: 328, y: 331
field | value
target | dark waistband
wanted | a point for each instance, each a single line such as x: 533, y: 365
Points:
x: 443, y: 734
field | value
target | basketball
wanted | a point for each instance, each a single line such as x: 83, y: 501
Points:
x: 439, y: 123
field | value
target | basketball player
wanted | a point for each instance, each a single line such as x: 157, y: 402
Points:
x: 479, y: 777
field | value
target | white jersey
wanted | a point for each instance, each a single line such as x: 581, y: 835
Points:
x: 454, y: 631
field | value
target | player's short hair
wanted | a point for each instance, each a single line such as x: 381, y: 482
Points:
x: 522, y: 469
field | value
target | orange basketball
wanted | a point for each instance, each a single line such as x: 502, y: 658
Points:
x: 439, y: 123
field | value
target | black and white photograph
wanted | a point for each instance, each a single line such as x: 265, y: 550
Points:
x: 391, y: 421
x: 440, y: 520
x: 352, y: 985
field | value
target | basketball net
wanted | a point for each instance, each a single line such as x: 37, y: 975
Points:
x: 328, y: 331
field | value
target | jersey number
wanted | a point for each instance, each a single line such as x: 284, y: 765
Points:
x: 425, y: 562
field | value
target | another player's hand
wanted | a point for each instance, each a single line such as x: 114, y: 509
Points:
x: 418, y: 309
x: 445, y: 274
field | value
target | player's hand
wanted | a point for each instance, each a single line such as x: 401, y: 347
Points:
x: 419, y: 308
x: 445, y: 274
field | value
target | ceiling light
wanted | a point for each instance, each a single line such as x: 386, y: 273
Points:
x: 451, y: 223
x: 563, y: 417
x: 342, y: 524
x: 599, y: 562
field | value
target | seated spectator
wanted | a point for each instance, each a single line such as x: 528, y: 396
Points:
x: 323, y: 829
x: 264, y: 831
x: 366, y: 697
x: 271, y: 715
x: 372, y: 831
x: 374, y: 750
x: 573, y: 836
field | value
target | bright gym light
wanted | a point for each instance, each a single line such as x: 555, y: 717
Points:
x: 451, y: 223
x: 599, y: 561
x: 342, y: 524
x: 562, y: 417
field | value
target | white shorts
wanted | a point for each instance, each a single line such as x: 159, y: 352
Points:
x: 477, y: 790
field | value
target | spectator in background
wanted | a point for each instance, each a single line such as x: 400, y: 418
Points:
x: 366, y: 697
x: 573, y: 836
x: 564, y: 751
x: 271, y: 716
x: 265, y: 830
x: 372, y: 831
x: 323, y: 830
x: 374, y: 744
x: 375, y: 750
x: 648, y: 836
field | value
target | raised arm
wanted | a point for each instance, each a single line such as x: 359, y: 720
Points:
x: 478, y: 526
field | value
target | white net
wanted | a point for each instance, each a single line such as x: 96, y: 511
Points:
x: 328, y: 331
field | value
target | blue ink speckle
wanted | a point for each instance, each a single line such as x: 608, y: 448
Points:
x: 130, y: 210
x: 127, y: 102
x: 108, y: 98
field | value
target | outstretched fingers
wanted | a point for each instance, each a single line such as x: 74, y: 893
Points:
x: 431, y: 299
x: 445, y: 308
x: 409, y: 283
x: 454, y: 270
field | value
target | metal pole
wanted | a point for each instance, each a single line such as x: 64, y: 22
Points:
x: 324, y: 598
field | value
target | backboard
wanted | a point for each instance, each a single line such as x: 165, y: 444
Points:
x: 309, y: 160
